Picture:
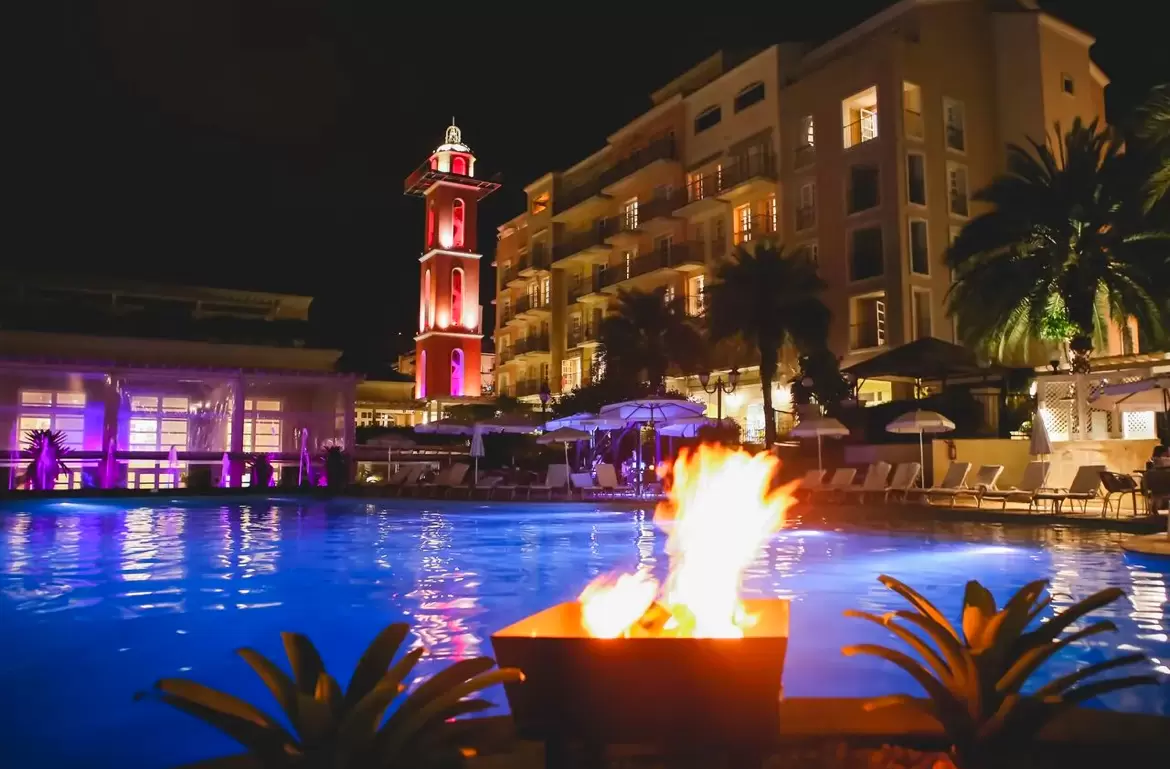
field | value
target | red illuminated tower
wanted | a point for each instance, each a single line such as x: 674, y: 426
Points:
x: 450, y: 333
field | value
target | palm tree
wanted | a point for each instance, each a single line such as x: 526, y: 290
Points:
x: 1062, y: 250
x: 1154, y: 130
x: 771, y: 299
x: 644, y: 334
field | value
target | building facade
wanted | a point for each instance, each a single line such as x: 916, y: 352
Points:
x: 863, y: 151
x: 449, y: 342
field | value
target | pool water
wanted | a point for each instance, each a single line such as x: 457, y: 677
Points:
x: 100, y: 599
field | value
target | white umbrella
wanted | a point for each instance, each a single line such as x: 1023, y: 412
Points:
x: 601, y: 423
x: 687, y: 427
x: 819, y: 428
x: 575, y: 421
x: 476, y: 452
x: 920, y: 421
x: 515, y: 424
x: 652, y: 410
x: 1038, y: 442
x: 565, y: 435
x: 445, y: 427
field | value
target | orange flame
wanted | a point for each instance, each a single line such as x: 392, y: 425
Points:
x: 720, y: 510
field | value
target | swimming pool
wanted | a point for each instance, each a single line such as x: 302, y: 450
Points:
x: 97, y: 600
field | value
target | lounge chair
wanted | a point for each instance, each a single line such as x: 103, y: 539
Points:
x: 1034, y: 478
x: 607, y: 480
x: 841, y: 479
x: 454, y: 480
x: 410, y: 483
x: 905, y: 476
x: 555, y: 479
x: 985, y: 478
x: 484, y: 484
x: 583, y: 483
x: 955, y: 476
x: 1119, y: 485
x: 876, y: 478
x: 812, y: 480
x: 1085, y: 487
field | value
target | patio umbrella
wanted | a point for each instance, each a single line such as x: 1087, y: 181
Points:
x: 1038, y: 442
x: 1143, y: 395
x: 445, y: 427
x: 819, y: 428
x: 476, y: 452
x: 920, y: 421
x: 575, y: 421
x: 649, y: 411
x: 513, y: 424
x: 564, y: 435
x: 687, y: 427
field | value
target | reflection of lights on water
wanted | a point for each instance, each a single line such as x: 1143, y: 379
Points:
x: 990, y: 550
x: 440, y: 592
x: 645, y: 540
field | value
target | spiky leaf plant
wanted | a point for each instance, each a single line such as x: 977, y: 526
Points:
x: 47, y: 450
x: 346, y: 729
x: 974, y: 676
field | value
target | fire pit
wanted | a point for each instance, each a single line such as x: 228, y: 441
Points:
x: 689, y: 662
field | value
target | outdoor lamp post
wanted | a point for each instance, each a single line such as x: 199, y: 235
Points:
x: 719, y: 388
x: 545, y: 395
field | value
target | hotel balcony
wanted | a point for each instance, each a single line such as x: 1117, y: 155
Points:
x: 702, y: 195
x: 804, y: 156
x: 510, y: 275
x: 682, y: 256
x: 526, y: 387
x: 913, y: 125
x: 586, y: 334
x: 754, y: 229
x: 504, y: 355
x: 656, y: 215
x: 860, y: 131
x: 533, y: 344
x: 749, y: 175
x: 626, y: 171
x: 866, y: 336
x: 806, y: 218
x: 586, y: 195
x: 582, y: 287
x: 588, y: 244
x: 534, y: 261
x: 531, y: 306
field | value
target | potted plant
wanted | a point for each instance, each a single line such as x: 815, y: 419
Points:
x: 346, y: 729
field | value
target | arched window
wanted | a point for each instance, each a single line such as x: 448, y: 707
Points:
x: 457, y: 209
x: 426, y: 307
x: 457, y: 372
x: 421, y: 376
x: 459, y: 165
x: 457, y: 297
x: 432, y: 225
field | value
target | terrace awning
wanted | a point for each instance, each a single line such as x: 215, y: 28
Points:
x: 927, y: 358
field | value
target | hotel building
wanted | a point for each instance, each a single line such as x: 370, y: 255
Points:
x: 864, y: 151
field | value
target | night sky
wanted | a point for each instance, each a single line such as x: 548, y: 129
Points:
x: 263, y: 144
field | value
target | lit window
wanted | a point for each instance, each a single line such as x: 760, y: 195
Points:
x: 630, y: 214
x: 457, y: 372
x: 668, y: 296
x: 859, y: 114
x: 695, y: 287
x: 772, y: 214
x: 457, y: 296
x: 540, y: 203
x: 867, y: 321
x: 808, y: 131
x: 57, y: 411
x: 742, y: 222
x: 457, y: 212
x: 459, y: 165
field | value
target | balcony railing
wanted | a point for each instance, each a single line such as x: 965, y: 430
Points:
x: 531, y: 343
x: 663, y: 148
x: 677, y: 255
x: 524, y: 387
x: 572, y: 242
x: 757, y: 227
x: 806, y: 217
x: 861, y: 131
x: 805, y: 155
x: 863, y: 336
x: 528, y: 303
x: 510, y: 274
x: 747, y: 167
x: 662, y: 206
x: 580, y: 287
x: 582, y: 334
x: 505, y: 354
x: 912, y: 120
x: 536, y: 259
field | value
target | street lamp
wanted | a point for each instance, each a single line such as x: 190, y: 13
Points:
x: 545, y: 395
x: 719, y: 388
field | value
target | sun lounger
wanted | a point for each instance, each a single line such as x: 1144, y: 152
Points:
x: 876, y: 478
x: 812, y: 480
x: 583, y: 483
x: 555, y: 479
x: 410, y: 483
x: 905, y: 476
x: 985, y: 478
x: 955, y: 476
x: 484, y: 485
x: 607, y: 480
x: 841, y: 479
x: 1085, y: 487
x: 454, y: 480
x: 1033, y: 480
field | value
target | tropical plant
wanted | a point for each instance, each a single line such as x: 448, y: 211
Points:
x: 645, y: 335
x: 345, y: 730
x: 974, y: 679
x: 1154, y: 130
x: 771, y: 299
x: 47, y: 450
x: 819, y: 379
x: 1065, y: 245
